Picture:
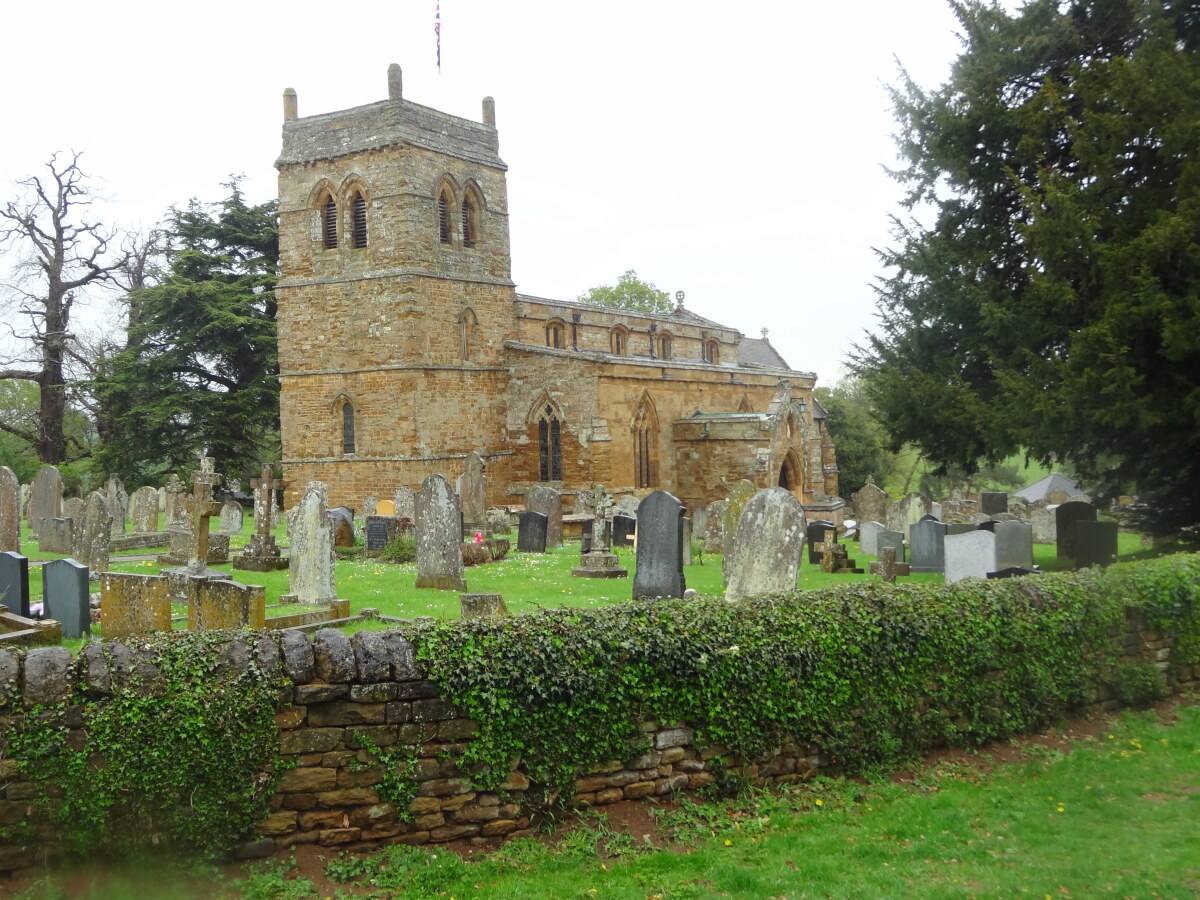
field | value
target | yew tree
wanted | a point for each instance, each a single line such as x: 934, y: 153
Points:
x: 1044, y: 282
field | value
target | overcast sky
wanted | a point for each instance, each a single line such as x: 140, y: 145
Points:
x: 733, y: 151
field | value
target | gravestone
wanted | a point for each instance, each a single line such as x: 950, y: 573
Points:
x: 201, y: 506
x: 868, y: 535
x: 623, y: 529
x: 687, y: 541
x: 969, y: 555
x: 381, y: 531
x: 815, y: 534
x: 262, y: 554
x: 143, y: 510
x: 1044, y: 524
x: 385, y: 508
x: 765, y: 556
x: 546, y: 500
x: 1066, y: 517
x: 964, y: 527
x: 73, y: 508
x: 57, y: 536
x: 342, y: 518
x: 870, y: 502
x: 659, y: 571
x: 1012, y: 572
x: 890, y: 540
x: 498, y: 521
x: 133, y: 605
x: 93, y: 533
x: 886, y: 566
x: 1014, y: 545
x: 65, y: 596
x: 992, y: 503
x: 370, y: 507
x: 45, y: 497
x: 907, y: 511
x: 926, y: 544
x: 118, y: 504
x: 482, y: 606
x: 404, y: 499
x: 14, y: 582
x: 214, y: 605
x: 439, y: 536
x: 230, y: 521
x: 714, y: 532
x: 472, y: 489
x: 1095, y: 543
x: 531, y: 532
x: 310, y: 558
x: 10, y: 511
x: 596, y: 559
x: 175, y: 511
x: 989, y: 525
x: 699, y: 516
x: 739, y: 495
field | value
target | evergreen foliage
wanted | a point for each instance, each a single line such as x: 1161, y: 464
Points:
x: 1046, y: 290
x: 200, y: 371
x: 861, y: 440
x: 630, y: 292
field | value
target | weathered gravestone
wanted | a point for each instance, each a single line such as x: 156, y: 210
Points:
x: 404, y: 499
x: 1095, y: 543
x: 439, y: 536
x: 596, y: 559
x: 132, y: 605
x: 623, y: 530
x: 927, y: 546
x: 73, y: 508
x: 868, y: 536
x: 1014, y: 545
x: 890, y: 540
x: 993, y: 503
x: 45, y: 497
x: 531, y: 532
x: 472, y: 488
x: 65, y: 597
x: 342, y: 518
x: 226, y: 604
x: 10, y: 510
x: 687, y: 541
x: 230, y: 521
x: 907, y: 511
x: 765, y: 556
x: 1067, y: 516
x: 118, y: 503
x: 482, y: 606
x: 174, y: 509
x: 870, y: 502
x: 381, y: 531
x: 143, y: 510
x: 714, y: 531
x: 14, y: 582
x: 659, y: 570
x: 964, y: 527
x: 739, y: 495
x: 370, y: 507
x: 969, y: 555
x: 262, y: 554
x: 93, y: 533
x: 815, y: 534
x: 886, y: 566
x: 498, y: 521
x: 57, y: 536
x: 310, y: 558
x: 201, y: 506
x: 1043, y: 523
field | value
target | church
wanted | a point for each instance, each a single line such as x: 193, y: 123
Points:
x: 404, y: 345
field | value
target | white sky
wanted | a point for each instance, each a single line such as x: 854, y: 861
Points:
x: 732, y: 151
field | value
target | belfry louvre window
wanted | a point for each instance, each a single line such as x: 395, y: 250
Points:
x: 329, y: 224
x: 443, y: 218
x: 360, y: 222
x: 549, y: 447
x: 468, y: 224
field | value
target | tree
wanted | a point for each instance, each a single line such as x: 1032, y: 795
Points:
x: 199, y: 373
x: 59, y: 254
x: 861, y: 441
x: 1045, y: 292
x: 630, y: 292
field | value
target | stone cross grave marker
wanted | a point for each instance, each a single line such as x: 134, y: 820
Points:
x: 814, y: 534
x: 766, y: 553
x: 201, y: 507
x: 264, y: 500
x: 826, y: 549
x: 887, y: 567
x: 10, y: 511
x: 65, y: 597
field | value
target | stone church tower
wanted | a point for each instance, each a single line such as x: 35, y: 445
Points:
x: 396, y: 296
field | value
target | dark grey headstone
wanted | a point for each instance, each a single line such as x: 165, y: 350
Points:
x: 1066, y: 519
x: 532, y: 532
x: 624, y: 528
x: 1095, y: 543
x: 1014, y: 545
x: 987, y: 526
x: 927, y: 543
x: 993, y: 503
x: 14, y: 582
x: 377, y: 533
x: 960, y: 528
x: 890, y: 539
x: 815, y: 534
x: 65, y: 596
x: 660, y: 547
x: 1012, y: 572
x: 546, y: 500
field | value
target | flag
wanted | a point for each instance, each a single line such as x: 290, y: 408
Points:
x: 437, y: 30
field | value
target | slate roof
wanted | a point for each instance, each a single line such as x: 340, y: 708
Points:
x: 1043, y: 487
x: 758, y: 352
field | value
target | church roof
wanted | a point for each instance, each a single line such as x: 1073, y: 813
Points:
x: 1044, y: 487
x: 759, y: 352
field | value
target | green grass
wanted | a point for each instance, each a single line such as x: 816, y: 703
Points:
x: 1113, y: 818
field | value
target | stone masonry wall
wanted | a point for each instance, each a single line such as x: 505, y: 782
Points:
x: 339, y: 691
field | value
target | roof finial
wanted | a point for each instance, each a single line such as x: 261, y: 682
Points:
x: 764, y: 334
x: 679, y: 301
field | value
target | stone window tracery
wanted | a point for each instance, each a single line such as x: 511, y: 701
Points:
x: 549, y: 445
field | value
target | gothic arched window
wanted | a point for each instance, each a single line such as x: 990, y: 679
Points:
x: 645, y: 436
x: 358, y: 221
x: 347, y: 428
x: 549, y: 445
x: 443, y: 212
x: 329, y: 224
